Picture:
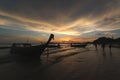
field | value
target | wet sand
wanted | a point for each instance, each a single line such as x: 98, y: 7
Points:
x: 67, y: 64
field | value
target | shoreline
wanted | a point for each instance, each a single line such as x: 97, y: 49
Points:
x: 72, y: 64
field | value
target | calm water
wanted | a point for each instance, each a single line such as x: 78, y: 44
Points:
x: 64, y: 63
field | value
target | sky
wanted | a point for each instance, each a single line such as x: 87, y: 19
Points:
x: 68, y: 20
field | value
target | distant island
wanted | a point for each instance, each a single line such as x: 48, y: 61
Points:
x: 107, y: 41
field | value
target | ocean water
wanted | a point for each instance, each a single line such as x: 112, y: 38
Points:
x: 54, y: 53
x: 66, y: 63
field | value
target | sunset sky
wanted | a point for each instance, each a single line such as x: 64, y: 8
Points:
x: 68, y: 20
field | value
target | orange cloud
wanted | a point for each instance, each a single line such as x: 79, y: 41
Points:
x: 71, y: 39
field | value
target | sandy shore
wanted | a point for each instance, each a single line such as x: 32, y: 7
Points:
x: 69, y: 64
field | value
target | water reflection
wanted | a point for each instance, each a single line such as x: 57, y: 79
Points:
x: 104, y: 54
x: 26, y: 61
x: 111, y: 54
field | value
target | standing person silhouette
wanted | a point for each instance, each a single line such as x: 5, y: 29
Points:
x: 103, y: 46
x: 110, y: 45
x: 95, y: 44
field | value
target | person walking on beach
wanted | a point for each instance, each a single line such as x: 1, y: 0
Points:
x: 110, y: 45
x: 103, y: 46
x: 95, y: 44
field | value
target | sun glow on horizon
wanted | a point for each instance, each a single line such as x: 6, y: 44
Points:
x: 71, y: 39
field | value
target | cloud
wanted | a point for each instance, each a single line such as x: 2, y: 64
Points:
x: 68, y: 17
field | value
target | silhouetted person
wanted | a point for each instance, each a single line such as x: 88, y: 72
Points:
x: 95, y: 44
x: 110, y: 45
x: 59, y: 45
x: 71, y: 44
x: 103, y: 46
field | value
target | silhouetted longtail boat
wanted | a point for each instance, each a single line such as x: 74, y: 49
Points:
x: 26, y: 49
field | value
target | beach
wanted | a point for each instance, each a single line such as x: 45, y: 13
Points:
x: 65, y: 63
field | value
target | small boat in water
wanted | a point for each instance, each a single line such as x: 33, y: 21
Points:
x: 26, y: 49
x: 78, y: 45
x: 57, y: 45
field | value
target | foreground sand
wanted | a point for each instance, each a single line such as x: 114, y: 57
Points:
x: 81, y: 64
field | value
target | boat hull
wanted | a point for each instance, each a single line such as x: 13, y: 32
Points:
x: 27, y: 51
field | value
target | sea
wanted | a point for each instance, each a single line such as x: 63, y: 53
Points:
x: 65, y: 63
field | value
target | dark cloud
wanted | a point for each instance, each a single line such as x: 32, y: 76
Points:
x: 60, y: 16
x: 113, y: 21
x: 52, y: 10
x: 10, y: 36
x: 37, y: 9
x: 114, y: 33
